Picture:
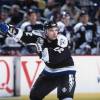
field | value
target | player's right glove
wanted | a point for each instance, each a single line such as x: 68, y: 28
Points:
x: 3, y: 28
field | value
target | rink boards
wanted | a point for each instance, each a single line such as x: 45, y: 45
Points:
x: 18, y: 74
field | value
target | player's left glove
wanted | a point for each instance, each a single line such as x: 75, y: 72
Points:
x: 3, y: 28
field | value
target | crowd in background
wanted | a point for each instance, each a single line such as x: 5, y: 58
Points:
x: 78, y: 20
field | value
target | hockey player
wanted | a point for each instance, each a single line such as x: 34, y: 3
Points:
x: 59, y: 71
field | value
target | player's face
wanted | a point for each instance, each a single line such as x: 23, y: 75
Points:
x: 85, y: 18
x: 33, y: 18
x: 66, y: 20
x: 52, y: 33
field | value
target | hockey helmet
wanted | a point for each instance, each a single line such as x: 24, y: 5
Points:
x: 50, y: 24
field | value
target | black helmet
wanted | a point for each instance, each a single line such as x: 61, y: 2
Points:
x: 50, y: 24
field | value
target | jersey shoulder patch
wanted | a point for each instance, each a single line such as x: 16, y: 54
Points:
x: 62, y: 41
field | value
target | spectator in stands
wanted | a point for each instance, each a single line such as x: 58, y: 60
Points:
x: 96, y: 1
x: 15, y: 16
x: 85, y: 32
x: 13, y: 19
x: 7, y: 45
x: 32, y: 23
x: 51, y: 8
x: 39, y: 14
x: 4, y: 18
x: 84, y: 3
x: 41, y: 4
x: 97, y: 17
x: 32, y: 26
x: 26, y: 4
x: 7, y: 2
x: 55, y: 16
x: 74, y: 11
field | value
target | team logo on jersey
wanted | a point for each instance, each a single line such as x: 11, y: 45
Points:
x: 62, y: 41
x: 83, y: 28
x: 29, y: 28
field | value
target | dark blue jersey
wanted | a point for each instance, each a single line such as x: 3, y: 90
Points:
x: 55, y: 53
